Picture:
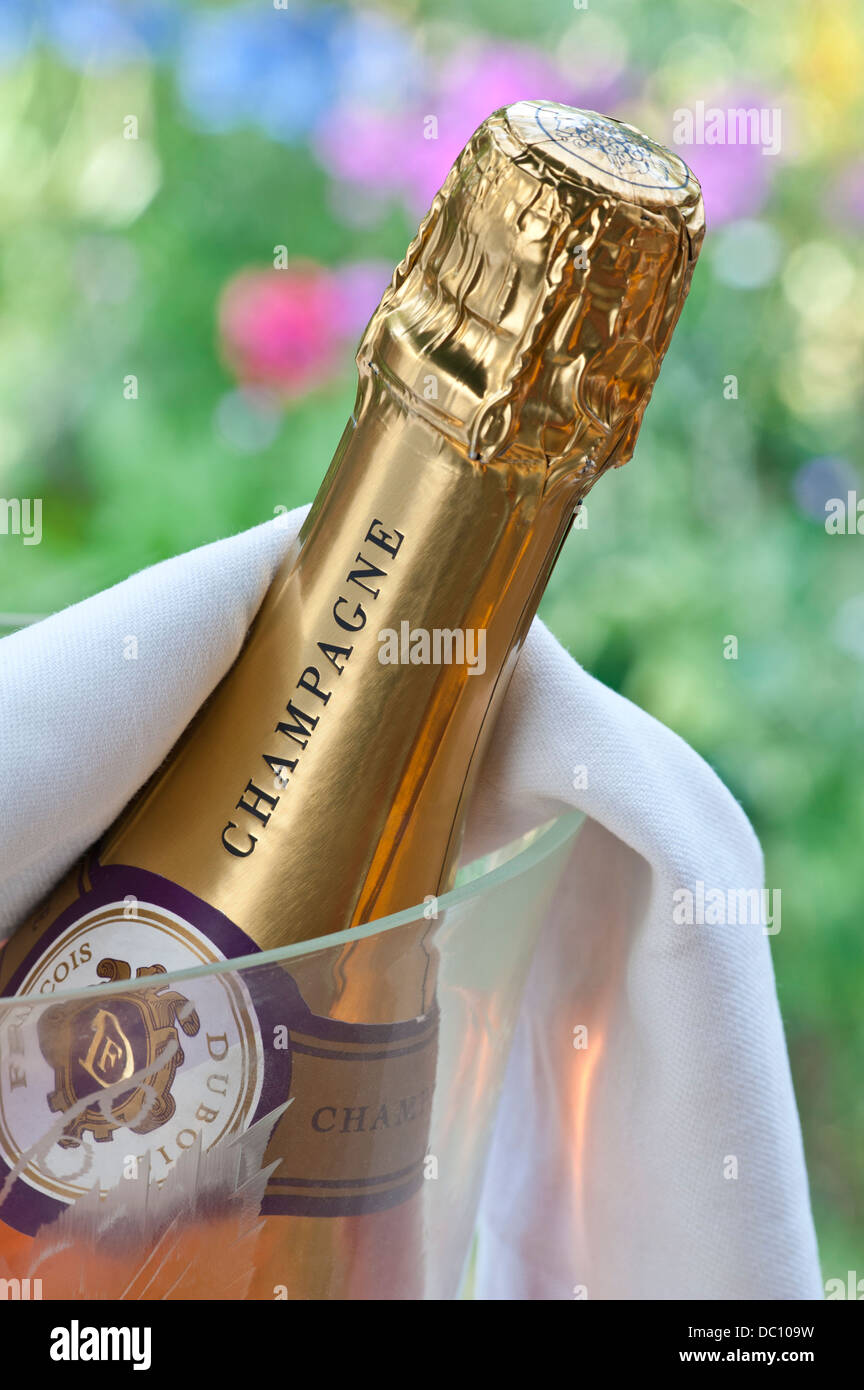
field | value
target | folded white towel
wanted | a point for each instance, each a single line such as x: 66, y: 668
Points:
x: 663, y: 1158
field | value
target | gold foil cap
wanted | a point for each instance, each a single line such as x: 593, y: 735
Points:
x: 529, y: 318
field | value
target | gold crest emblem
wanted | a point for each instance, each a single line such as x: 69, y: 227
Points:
x: 104, y: 1041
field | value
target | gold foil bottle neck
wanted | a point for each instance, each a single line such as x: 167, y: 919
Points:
x: 529, y: 318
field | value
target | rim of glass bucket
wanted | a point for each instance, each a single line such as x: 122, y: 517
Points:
x: 509, y: 862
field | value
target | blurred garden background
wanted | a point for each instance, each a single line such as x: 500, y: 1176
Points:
x: 199, y: 208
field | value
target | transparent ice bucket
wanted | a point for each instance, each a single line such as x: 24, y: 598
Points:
x: 160, y: 1184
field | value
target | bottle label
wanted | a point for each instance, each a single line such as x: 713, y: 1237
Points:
x: 355, y: 1137
x: 118, y: 1085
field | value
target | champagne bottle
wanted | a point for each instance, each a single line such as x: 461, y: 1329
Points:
x: 324, y: 782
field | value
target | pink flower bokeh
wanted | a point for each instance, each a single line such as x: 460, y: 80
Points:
x: 290, y: 330
x: 390, y: 154
x: 736, y: 179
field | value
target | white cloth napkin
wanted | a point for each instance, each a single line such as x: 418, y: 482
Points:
x: 663, y: 1158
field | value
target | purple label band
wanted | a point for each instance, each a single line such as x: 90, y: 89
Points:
x: 328, y: 1197
x: 277, y: 1003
